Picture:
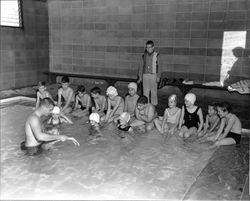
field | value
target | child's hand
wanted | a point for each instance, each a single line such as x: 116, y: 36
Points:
x: 76, y: 143
x: 171, y: 131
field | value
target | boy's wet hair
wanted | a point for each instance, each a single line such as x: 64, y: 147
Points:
x: 142, y: 100
x: 47, y: 102
x: 41, y: 83
x: 150, y: 42
x: 65, y: 79
x: 81, y: 89
x: 225, y: 106
x: 95, y: 90
x: 214, y: 105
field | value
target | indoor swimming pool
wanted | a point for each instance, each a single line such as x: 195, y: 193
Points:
x: 149, y: 166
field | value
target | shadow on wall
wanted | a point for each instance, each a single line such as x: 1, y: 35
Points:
x: 243, y: 61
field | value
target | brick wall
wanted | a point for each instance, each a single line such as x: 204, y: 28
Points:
x: 25, y: 52
x: 108, y: 36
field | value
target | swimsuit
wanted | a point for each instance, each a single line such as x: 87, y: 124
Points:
x: 57, y: 123
x: 126, y: 128
x: 83, y: 107
x: 32, y: 151
x: 173, y: 118
x: 235, y: 136
x: 191, y: 119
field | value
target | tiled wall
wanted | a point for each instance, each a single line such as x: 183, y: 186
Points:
x: 108, y: 36
x: 25, y: 52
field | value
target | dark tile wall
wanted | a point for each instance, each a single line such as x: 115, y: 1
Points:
x: 108, y: 36
x: 25, y: 52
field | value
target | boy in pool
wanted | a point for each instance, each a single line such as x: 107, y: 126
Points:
x: 191, y: 120
x: 41, y: 93
x: 115, y: 105
x: 211, y: 123
x: 66, y: 94
x: 58, y: 117
x: 82, y: 103
x: 230, y: 129
x: 131, y: 99
x: 99, y: 102
x: 170, y: 120
x: 35, y: 139
x: 145, y: 114
x: 95, y: 129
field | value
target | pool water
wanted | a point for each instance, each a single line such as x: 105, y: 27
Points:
x: 147, y: 167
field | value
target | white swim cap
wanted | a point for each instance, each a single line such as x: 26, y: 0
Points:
x: 132, y: 85
x: 173, y: 97
x: 111, y: 91
x: 125, y: 116
x: 94, y: 117
x: 56, y: 110
x: 190, y: 97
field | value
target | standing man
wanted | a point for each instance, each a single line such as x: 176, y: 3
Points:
x: 149, y: 73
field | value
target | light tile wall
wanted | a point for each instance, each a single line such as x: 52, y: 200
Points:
x: 108, y: 36
x: 25, y: 52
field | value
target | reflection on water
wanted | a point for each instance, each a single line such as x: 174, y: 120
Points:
x: 147, y: 167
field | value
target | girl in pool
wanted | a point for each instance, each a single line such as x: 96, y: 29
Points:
x: 95, y: 133
x: 191, y: 120
x: 58, y: 117
x: 115, y: 105
x: 170, y: 120
x: 82, y: 103
x: 41, y: 93
x: 131, y: 99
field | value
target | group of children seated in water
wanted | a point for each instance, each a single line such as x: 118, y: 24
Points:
x: 134, y: 114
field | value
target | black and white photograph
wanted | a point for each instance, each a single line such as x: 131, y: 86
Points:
x: 124, y: 100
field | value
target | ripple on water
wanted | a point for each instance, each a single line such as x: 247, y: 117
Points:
x: 140, y: 168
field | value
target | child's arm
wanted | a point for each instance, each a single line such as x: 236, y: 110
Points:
x: 68, y: 100
x: 37, y: 99
x: 76, y: 102
x: 164, y: 119
x: 215, y: 125
x: 206, y: 124
x: 88, y: 103
x: 221, y: 128
x: 50, y: 120
x: 181, y: 118
x: 104, y: 102
x: 49, y: 96
x: 126, y: 104
x: 201, y: 120
x: 65, y: 119
x: 59, y: 93
x: 116, y: 106
x: 108, y: 111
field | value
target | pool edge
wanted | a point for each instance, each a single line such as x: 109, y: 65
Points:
x: 16, y: 98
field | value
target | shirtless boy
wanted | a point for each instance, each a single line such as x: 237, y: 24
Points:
x: 66, y: 96
x: 145, y: 114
